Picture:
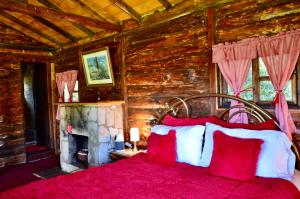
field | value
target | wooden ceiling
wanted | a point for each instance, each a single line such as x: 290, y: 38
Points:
x: 53, y: 24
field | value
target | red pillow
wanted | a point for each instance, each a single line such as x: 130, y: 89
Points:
x: 233, y: 157
x: 267, y: 125
x: 173, y: 121
x: 162, y: 148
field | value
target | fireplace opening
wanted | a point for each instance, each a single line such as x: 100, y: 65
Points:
x: 78, y: 147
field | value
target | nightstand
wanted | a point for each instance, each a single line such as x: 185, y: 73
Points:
x: 119, y: 155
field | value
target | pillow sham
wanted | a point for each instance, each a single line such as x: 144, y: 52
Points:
x: 173, y: 121
x: 189, y: 141
x: 276, y: 158
x: 162, y: 148
x: 267, y: 125
x: 233, y: 157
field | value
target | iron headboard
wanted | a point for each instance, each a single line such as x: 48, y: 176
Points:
x: 177, y: 104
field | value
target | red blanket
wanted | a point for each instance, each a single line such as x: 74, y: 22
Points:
x: 136, y: 178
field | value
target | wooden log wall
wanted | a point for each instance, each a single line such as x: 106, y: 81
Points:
x: 165, y: 61
x: 11, y: 114
x: 150, y: 66
x: 155, y: 63
x: 12, y: 149
x: 14, y: 49
x: 13, y: 38
x: 248, y: 19
x: 11, y: 97
x: 71, y: 60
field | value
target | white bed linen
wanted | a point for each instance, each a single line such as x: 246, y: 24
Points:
x: 189, y: 141
x: 276, y: 159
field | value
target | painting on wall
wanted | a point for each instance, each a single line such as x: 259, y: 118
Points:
x: 97, y: 67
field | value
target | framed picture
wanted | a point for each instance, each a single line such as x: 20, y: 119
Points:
x: 97, y: 67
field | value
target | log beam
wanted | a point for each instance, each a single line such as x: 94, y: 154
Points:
x: 165, y: 3
x: 79, y: 26
x: 47, y: 12
x: 55, y: 28
x: 26, y: 47
x: 126, y: 8
x: 27, y: 26
x: 86, y: 40
x: 212, y: 69
x: 183, y: 8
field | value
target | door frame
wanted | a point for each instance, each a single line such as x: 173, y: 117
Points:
x: 49, y: 93
x: 50, y: 70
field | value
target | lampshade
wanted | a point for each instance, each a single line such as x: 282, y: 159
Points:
x: 134, y: 134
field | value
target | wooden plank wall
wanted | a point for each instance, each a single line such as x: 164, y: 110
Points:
x: 158, y: 62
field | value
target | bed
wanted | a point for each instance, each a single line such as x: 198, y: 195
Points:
x: 138, y: 177
x: 135, y: 177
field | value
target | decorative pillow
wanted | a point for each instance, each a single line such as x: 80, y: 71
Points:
x: 173, y: 121
x: 276, y: 158
x: 189, y: 141
x: 267, y: 125
x: 233, y: 157
x: 162, y: 148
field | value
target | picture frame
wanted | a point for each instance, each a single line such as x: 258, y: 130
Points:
x: 97, y: 67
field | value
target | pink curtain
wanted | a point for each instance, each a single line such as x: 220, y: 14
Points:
x: 234, y: 61
x: 60, y: 83
x: 71, y: 77
x: 68, y: 77
x: 280, y: 54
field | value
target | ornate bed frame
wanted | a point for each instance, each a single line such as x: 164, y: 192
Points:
x: 255, y: 113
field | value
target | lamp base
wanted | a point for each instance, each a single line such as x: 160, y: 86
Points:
x: 135, y: 147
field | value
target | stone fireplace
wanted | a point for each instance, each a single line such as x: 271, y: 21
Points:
x: 92, y: 126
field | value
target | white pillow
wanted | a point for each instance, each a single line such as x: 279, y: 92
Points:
x: 276, y: 158
x: 189, y: 141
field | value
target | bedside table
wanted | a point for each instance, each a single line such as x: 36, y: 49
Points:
x: 119, y: 155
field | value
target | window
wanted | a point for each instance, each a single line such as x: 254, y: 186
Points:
x: 263, y: 92
x: 75, y: 97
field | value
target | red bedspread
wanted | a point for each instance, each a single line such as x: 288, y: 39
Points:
x: 136, y: 178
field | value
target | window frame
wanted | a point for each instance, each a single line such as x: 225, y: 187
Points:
x: 75, y: 91
x: 256, y: 79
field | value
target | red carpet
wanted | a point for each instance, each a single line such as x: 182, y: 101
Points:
x: 17, y: 175
x: 35, y: 148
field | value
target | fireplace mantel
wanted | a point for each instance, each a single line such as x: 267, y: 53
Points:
x: 98, y: 121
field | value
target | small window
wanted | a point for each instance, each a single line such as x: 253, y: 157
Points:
x: 263, y: 90
x: 75, y: 97
x: 266, y: 89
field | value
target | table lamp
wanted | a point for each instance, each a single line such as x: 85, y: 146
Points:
x: 134, y: 137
